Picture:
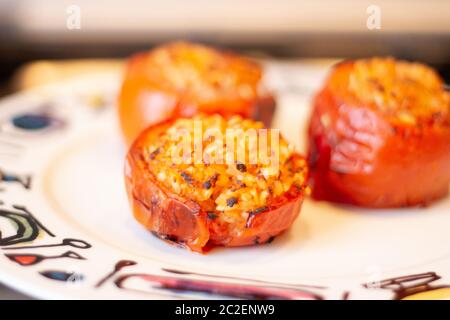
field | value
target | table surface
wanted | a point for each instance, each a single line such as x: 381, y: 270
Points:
x: 9, y: 294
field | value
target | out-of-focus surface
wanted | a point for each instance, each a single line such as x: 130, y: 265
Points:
x: 205, y: 17
x: 409, y: 29
x: 46, y: 72
x: 10, y: 294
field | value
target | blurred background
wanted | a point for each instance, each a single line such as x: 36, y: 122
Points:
x: 34, y: 30
x: 43, y: 41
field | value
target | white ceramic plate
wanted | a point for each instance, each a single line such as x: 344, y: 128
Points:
x: 66, y: 230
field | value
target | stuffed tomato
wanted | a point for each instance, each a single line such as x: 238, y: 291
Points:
x: 182, y: 79
x: 379, y: 135
x: 213, y: 200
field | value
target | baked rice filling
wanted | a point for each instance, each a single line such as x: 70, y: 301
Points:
x: 405, y: 92
x: 229, y: 189
x: 202, y: 73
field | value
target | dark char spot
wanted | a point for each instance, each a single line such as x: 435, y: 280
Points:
x: 155, y: 153
x: 187, y: 177
x: 253, y: 213
x: 259, y: 210
x: 211, y: 215
x: 270, y: 239
x: 231, y: 201
x: 166, y: 237
x: 207, y: 184
x: 241, y: 167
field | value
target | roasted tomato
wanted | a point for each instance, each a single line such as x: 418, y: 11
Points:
x: 213, y: 200
x: 182, y: 79
x: 379, y: 135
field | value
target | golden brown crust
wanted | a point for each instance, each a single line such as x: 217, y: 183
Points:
x: 403, y: 93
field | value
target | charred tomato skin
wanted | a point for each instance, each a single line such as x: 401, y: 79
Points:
x: 356, y: 156
x: 145, y: 99
x: 182, y: 222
